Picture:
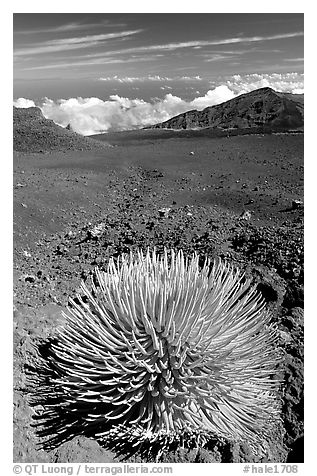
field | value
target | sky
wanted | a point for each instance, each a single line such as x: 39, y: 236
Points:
x: 115, y: 71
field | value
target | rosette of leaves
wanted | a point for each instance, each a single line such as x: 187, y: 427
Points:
x: 160, y: 351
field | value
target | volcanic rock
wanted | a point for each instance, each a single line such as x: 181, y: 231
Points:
x: 164, y: 212
x: 246, y: 215
x: 297, y: 204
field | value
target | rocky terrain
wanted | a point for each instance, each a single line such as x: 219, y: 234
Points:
x: 263, y: 109
x: 238, y: 198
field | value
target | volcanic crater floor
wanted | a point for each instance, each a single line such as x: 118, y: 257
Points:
x: 238, y: 198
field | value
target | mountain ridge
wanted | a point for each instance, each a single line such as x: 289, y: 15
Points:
x: 261, y: 108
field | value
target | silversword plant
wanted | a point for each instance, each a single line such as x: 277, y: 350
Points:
x: 159, y: 347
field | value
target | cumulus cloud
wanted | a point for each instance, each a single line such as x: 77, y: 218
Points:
x: 93, y: 115
x: 212, y: 97
x: 283, y: 82
x: 23, y: 103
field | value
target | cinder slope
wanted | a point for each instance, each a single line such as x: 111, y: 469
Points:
x: 33, y: 133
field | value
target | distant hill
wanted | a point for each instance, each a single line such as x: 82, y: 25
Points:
x: 33, y: 133
x: 263, y: 109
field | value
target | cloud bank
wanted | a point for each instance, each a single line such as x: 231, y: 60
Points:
x: 92, y: 115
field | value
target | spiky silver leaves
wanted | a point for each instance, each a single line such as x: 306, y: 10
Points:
x: 160, y: 346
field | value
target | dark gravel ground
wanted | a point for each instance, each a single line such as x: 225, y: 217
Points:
x: 231, y: 198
